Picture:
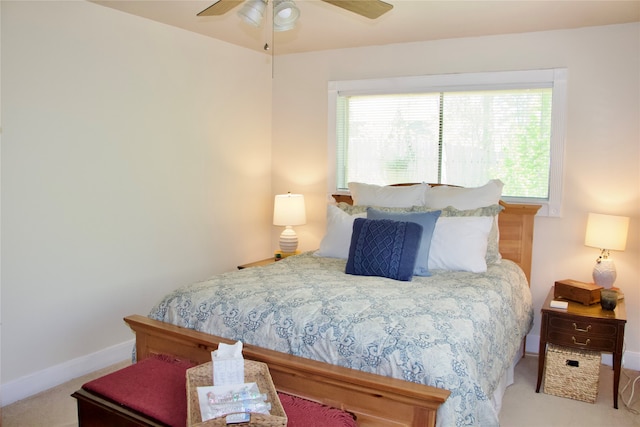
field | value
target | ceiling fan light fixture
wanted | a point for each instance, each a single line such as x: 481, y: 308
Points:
x: 285, y: 15
x: 252, y: 12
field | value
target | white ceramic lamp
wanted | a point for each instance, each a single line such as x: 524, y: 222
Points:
x: 289, y: 210
x: 606, y: 232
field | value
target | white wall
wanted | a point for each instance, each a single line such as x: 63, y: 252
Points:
x: 135, y: 158
x: 602, y: 156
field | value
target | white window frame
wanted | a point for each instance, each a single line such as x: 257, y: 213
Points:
x: 555, y: 78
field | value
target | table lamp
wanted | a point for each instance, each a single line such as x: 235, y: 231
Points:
x: 289, y: 210
x: 606, y: 232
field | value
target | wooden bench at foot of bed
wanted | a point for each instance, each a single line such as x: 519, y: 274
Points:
x: 375, y: 400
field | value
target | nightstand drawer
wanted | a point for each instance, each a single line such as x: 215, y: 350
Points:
x: 585, y: 326
x: 583, y: 341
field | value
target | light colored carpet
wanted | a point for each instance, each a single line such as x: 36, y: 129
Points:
x: 522, y: 406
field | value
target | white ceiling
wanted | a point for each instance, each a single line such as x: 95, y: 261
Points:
x: 324, y: 26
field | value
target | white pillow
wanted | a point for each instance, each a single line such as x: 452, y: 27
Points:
x: 460, y: 243
x: 464, y: 198
x: 387, y: 196
x: 337, y: 239
x: 493, y: 246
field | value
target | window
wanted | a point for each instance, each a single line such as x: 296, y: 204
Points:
x: 461, y: 129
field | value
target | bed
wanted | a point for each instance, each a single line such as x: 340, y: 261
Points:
x: 435, y: 350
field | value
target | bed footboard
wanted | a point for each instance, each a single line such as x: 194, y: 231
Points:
x: 375, y: 400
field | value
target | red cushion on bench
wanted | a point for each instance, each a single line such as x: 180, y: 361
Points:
x: 304, y: 413
x: 155, y: 387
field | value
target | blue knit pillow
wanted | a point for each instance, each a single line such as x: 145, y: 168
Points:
x: 428, y: 222
x: 384, y: 248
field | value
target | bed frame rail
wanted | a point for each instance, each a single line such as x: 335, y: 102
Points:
x: 375, y: 400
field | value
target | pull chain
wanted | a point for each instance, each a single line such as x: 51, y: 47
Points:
x: 266, y: 46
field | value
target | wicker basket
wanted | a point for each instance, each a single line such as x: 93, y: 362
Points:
x: 572, y: 373
x: 202, y: 376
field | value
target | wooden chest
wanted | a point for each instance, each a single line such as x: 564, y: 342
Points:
x: 572, y: 290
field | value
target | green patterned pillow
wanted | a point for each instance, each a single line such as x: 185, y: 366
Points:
x: 353, y: 210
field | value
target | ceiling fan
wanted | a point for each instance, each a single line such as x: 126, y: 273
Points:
x: 368, y: 8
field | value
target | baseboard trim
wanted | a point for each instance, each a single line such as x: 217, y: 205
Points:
x: 630, y: 360
x: 45, y: 379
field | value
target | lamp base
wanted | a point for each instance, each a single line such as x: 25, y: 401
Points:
x: 604, y: 273
x: 288, y: 240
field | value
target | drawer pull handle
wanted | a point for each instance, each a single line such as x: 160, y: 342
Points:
x: 581, y: 330
x: 580, y: 343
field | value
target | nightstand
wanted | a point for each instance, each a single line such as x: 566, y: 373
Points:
x: 257, y: 263
x: 586, y: 328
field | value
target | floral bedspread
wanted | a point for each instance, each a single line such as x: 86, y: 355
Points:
x: 454, y: 330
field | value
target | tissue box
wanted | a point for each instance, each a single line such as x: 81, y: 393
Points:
x: 228, y: 371
x: 228, y: 364
x: 202, y: 376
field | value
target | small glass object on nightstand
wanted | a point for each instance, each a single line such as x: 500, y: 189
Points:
x: 608, y: 299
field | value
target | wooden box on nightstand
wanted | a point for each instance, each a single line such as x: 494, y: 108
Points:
x: 572, y: 290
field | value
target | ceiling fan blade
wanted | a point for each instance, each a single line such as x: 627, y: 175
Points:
x: 368, y: 8
x: 220, y: 7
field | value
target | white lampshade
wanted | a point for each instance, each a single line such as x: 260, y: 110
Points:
x: 606, y: 232
x: 288, y: 210
x: 252, y: 12
x: 285, y: 14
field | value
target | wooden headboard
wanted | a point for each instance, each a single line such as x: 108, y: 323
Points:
x: 516, y: 231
